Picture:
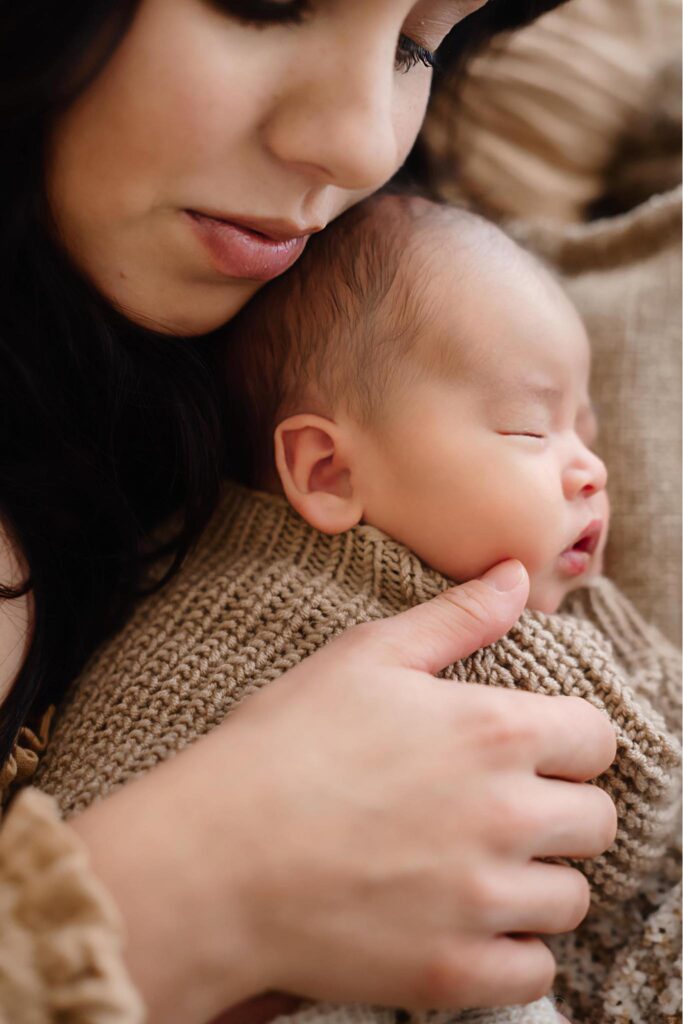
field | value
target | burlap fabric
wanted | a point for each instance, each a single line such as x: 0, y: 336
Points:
x: 263, y: 591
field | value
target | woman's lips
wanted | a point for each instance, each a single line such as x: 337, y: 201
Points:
x: 576, y: 559
x: 238, y: 251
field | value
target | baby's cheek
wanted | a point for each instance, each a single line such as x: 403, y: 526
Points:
x: 604, y: 509
x: 537, y: 544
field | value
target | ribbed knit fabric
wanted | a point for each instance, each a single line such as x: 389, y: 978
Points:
x: 263, y: 590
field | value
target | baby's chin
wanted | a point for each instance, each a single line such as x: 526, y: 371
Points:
x: 547, y: 595
x: 545, y: 599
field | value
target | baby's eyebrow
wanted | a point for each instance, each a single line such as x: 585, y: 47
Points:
x: 552, y: 396
x: 587, y: 418
x: 548, y: 394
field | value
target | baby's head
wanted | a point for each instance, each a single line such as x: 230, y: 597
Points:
x: 418, y: 371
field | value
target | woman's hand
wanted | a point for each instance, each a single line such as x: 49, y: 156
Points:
x: 363, y: 831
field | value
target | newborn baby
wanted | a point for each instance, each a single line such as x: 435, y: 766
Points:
x: 419, y: 372
x: 412, y: 406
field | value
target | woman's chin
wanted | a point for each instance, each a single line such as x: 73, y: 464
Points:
x: 190, y: 310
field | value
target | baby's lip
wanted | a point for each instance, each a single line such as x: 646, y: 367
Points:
x: 588, y: 539
x: 576, y: 558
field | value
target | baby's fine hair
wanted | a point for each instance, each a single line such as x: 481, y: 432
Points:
x: 335, y: 330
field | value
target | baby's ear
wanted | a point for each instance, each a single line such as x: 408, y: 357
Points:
x: 314, y: 462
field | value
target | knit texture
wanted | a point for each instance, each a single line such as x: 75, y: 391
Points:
x: 263, y: 590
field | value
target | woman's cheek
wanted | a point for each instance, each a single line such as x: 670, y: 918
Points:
x: 411, y: 106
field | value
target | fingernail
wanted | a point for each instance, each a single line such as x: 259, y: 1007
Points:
x: 505, y: 576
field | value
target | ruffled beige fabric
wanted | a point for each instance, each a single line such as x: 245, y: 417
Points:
x: 60, y: 935
x: 24, y: 755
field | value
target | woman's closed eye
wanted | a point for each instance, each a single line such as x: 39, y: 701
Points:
x: 409, y: 52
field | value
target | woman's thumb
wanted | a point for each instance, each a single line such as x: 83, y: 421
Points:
x: 457, y: 622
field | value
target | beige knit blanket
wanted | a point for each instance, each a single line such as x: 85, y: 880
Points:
x: 263, y: 590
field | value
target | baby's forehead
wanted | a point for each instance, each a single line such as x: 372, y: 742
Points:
x: 487, y: 303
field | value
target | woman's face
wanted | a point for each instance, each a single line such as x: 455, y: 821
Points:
x: 222, y: 132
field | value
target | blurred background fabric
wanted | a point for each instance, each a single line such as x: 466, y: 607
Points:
x: 568, y: 133
x: 534, y: 130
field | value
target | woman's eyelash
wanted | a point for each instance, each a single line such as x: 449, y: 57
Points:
x: 409, y: 53
x: 263, y: 12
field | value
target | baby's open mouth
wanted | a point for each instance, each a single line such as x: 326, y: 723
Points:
x: 577, y: 557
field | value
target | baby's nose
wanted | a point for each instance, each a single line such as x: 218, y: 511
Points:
x: 585, y: 476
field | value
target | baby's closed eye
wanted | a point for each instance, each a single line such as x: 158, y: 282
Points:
x: 533, y: 434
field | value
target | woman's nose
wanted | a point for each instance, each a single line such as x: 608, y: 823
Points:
x: 585, y: 475
x: 339, y: 127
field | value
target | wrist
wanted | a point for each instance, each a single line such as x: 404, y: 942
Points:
x: 181, y: 889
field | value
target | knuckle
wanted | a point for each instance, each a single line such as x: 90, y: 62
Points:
x: 518, y: 820
x: 501, y: 728
x: 444, y: 977
x: 595, y: 724
x: 509, y: 821
x: 610, y: 741
x: 609, y: 821
x: 578, y: 703
x: 585, y: 717
x: 492, y: 722
x: 543, y: 976
x: 602, y: 728
x: 578, y: 900
x: 364, y: 632
x: 361, y: 638
x: 483, y: 897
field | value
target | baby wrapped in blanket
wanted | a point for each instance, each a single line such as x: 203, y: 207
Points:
x: 412, y: 406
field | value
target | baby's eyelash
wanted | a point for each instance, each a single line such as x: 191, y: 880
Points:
x: 264, y: 12
x: 521, y: 433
